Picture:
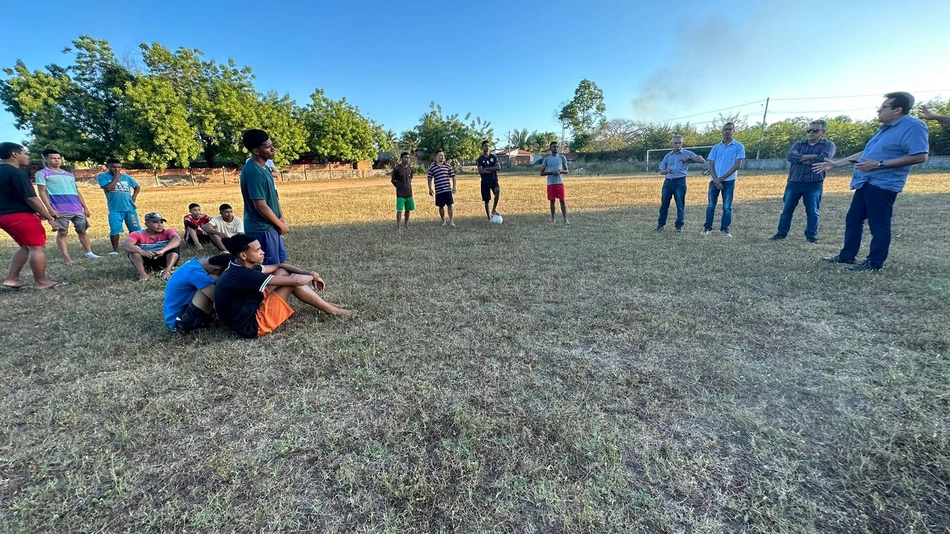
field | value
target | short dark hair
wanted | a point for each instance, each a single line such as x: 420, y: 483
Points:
x: 485, y: 142
x: 7, y: 149
x: 552, y: 144
x: 252, y: 139
x: 728, y: 124
x: 112, y: 160
x: 404, y: 154
x: 902, y: 100
x: 49, y: 151
x: 223, y: 207
x: 193, y: 205
x: 221, y: 260
x: 238, y: 243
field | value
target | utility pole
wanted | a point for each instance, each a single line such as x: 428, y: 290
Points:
x: 762, y: 135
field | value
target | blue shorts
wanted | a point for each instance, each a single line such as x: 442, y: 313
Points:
x: 273, y: 245
x: 129, y: 218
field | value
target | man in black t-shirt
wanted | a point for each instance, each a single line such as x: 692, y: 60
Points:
x: 19, y: 207
x: 251, y: 298
x: 488, y: 167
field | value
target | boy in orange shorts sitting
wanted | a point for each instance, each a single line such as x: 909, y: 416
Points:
x: 251, y: 298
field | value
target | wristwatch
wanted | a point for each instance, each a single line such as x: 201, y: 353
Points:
x: 880, y: 164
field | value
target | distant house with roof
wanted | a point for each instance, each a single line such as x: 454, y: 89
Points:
x: 514, y: 157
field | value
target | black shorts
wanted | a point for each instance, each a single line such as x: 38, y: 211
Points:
x: 202, y: 238
x: 192, y: 318
x: 444, y: 199
x: 157, y: 264
x: 488, y: 186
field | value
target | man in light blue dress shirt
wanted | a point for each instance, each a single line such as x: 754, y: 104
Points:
x: 880, y: 172
x: 724, y: 162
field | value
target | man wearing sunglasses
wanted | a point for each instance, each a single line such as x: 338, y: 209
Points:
x: 804, y: 183
x: 880, y: 172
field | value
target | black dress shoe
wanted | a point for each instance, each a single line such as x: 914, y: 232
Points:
x: 866, y: 266
x: 813, y: 240
x: 659, y: 229
x: 836, y: 259
x: 776, y: 237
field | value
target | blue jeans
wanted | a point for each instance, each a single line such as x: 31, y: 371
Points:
x: 875, y: 205
x: 728, y: 189
x: 674, y: 188
x: 810, y: 194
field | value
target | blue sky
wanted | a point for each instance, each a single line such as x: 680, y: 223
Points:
x: 515, y: 65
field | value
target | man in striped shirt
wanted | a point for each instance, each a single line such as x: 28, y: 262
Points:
x: 444, y: 177
x: 58, y: 191
x: 804, y: 183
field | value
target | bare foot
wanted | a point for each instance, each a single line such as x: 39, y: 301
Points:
x: 166, y: 274
x: 341, y: 312
x: 69, y: 261
x: 48, y: 285
x: 13, y: 284
x: 143, y: 279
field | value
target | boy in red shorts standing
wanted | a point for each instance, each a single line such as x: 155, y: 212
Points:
x: 554, y: 166
x: 19, y: 207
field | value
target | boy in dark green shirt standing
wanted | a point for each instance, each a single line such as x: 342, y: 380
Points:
x: 262, y: 215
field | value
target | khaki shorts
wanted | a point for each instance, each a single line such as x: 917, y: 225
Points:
x: 80, y: 222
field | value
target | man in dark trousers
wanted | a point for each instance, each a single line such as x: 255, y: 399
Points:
x: 880, y: 173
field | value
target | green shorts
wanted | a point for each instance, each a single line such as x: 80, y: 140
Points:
x: 407, y: 204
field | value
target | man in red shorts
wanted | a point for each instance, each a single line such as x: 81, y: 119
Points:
x: 19, y: 207
x: 554, y: 166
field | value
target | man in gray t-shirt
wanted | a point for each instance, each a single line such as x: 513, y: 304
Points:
x: 554, y: 167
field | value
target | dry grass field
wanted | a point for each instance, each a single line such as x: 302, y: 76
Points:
x: 527, y: 377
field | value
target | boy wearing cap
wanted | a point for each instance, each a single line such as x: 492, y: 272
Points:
x: 251, y: 298
x: 155, y: 247
x: 57, y: 188
x: 121, y: 191
x: 263, y: 218
x: 189, y: 294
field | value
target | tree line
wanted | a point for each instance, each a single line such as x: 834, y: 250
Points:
x: 174, y: 108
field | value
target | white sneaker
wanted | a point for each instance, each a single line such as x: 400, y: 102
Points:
x: 92, y: 256
x: 113, y: 253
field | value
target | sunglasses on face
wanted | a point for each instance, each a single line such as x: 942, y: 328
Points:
x: 813, y: 130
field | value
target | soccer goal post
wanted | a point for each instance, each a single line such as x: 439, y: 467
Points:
x: 667, y: 149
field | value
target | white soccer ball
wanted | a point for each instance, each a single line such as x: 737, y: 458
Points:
x: 496, y: 219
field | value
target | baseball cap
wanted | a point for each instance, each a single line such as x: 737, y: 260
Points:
x: 154, y: 217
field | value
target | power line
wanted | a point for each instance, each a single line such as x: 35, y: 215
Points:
x: 708, y: 112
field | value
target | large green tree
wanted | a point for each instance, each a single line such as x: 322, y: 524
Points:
x: 585, y: 112
x: 337, y: 131
x: 219, y: 98
x: 451, y: 134
x: 280, y: 117
x: 76, y: 109
x: 158, y: 132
